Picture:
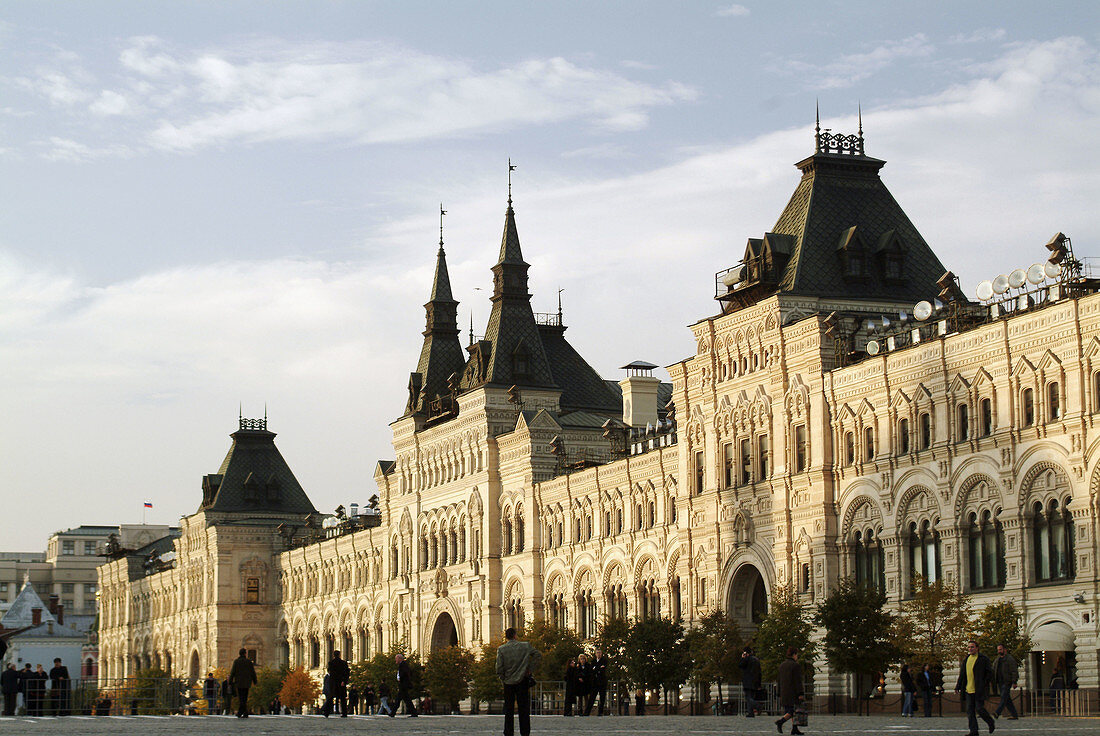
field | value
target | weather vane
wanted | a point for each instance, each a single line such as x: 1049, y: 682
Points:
x: 511, y: 168
x: 441, y: 213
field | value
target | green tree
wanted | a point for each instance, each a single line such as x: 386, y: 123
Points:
x: 298, y: 688
x: 485, y: 686
x: 269, y: 682
x: 382, y: 667
x: 447, y: 675
x: 714, y: 649
x: 786, y: 624
x: 611, y: 640
x: 1000, y: 623
x: 557, y: 645
x: 934, y: 624
x: 153, y: 689
x: 859, y: 632
x: 655, y: 655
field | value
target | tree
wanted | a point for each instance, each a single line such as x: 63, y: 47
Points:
x: 655, y: 657
x: 715, y: 650
x: 934, y: 624
x: 447, y: 675
x: 859, y: 632
x: 298, y: 688
x: 611, y: 640
x: 382, y: 667
x: 269, y: 682
x: 485, y: 686
x: 786, y: 624
x: 558, y: 646
x: 999, y: 623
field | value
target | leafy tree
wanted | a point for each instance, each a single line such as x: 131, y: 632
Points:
x: 382, y: 667
x: 1000, y: 623
x: 298, y: 688
x: 557, y: 645
x: 153, y: 689
x: 859, y: 632
x: 447, y: 674
x: 485, y: 686
x: 655, y: 657
x: 934, y: 624
x: 715, y: 650
x: 786, y: 624
x: 269, y: 681
x: 611, y: 640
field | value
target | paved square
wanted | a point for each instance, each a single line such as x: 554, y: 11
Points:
x: 540, y: 725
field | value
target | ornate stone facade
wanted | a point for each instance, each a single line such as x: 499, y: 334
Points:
x: 967, y: 450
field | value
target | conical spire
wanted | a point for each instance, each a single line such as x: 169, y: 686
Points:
x: 510, y: 252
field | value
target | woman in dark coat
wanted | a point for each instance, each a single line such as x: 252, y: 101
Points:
x: 571, y: 671
x: 908, y: 690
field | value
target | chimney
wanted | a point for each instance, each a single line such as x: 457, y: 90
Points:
x: 52, y: 603
x: 639, y: 394
x: 60, y: 614
x: 36, y: 616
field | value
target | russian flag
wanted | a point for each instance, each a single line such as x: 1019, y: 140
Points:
x: 148, y: 504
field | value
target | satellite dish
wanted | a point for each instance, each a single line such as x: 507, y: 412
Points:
x: 1000, y: 284
x: 1035, y: 273
x: 873, y: 347
x: 922, y: 311
x: 1017, y: 278
x: 985, y: 290
x: 1052, y: 270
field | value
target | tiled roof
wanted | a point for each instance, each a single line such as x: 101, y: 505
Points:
x: 254, y: 477
x: 581, y: 387
x: 441, y: 354
x: 20, y: 613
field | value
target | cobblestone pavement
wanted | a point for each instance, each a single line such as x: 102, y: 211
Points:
x: 540, y: 726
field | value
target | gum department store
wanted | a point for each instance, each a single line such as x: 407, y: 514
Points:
x: 847, y: 412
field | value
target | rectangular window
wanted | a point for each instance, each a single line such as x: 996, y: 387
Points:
x: 925, y: 430
x: 68, y: 603
x: 903, y: 436
x: 89, y: 547
x: 89, y: 588
x: 1053, y: 402
x: 800, y: 448
x: 868, y: 443
x: 962, y: 412
x: 67, y: 588
x: 1096, y: 391
x: 699, y: 468
x: 1027, y: 407
x: 762, y: 453
x: 849, y: 448
x: 746, y: 461
x: 702, y: 591
x: 68, y: 547
x: 985, y: 409
x: 805, y: 577
x: 727, y: 463
x: 3, y: 587
x: 252, y: 591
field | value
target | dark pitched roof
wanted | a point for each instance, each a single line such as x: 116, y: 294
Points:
x: 581, y: 387
x: 441, y: 353
x: 254, y: 478
x: 841, y: 209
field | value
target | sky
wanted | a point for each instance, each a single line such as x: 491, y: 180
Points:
x: 220, y: 206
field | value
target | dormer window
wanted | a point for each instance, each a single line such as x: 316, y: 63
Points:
x: 520, y: 366
x: 891, y: 255
x: 853, y: 254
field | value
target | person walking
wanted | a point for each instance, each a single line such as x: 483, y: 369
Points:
x: 9, y: 685
x: 790, y: 689
x: 326, y: 693
x: 242, y: 676
x: 341, y: 673
x: 210, y: 693
x: 1005, y: 674
x: 571, y: 675
x: 384, y: 707
x: 368, y: 698
x: 751, y: 678
x: 597, y: 682
x: 516, y: 661
x: 59, y: 687
x: 353, y: 700
x: 908, y: 690
x: 975, y: 672
x: 927, y: 682
x: 404, y: 686
x: 227, y: 697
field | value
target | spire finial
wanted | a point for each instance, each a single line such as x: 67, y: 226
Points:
x: 471, y: 327
x: 859, y: 110
x: 560, y: 322
x: 511, y: 168
x: 441, y: 213
x: 817, y: 126
x: 240, y: 410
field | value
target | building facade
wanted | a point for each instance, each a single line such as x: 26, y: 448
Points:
x: 847, y: 413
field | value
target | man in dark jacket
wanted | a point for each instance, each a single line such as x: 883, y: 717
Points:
x: 1005, y: 674
x: 790, y: 688
x: 227, y: 697
x: 242, y: 676
x: 340, y: 672
x: 59, y: 687
x: 975, y: 673
x: 926, y: 683
x: 404, y: 685
x: 597, y: 682
x: 750, y: 679
x: 9, y: 685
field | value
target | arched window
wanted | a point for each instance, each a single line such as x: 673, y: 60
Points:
x: 506, y: 537
x: 519, y: 532
x: 986, y: 552
x: 962, y: 413
x: 868, y: 559
x: 925, y: 430
x: 1027, y: 407
x: 849, y: 448
x: 868, y: 443
x: 1052, y: 529
x: 903, y: 436
x: 1054, y: 405
x: 924, y: 554
x: 1096, y: 391
x: 985, y: 414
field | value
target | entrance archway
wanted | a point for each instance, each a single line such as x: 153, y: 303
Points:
x: 747, y: 600
x: 195, y: 671
x: 444, y: 633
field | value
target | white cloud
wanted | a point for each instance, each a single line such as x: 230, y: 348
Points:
x: 732, y: 11
x: 68, y: 150
x: 57, y: 87
x: 982, y: 35
x: 848, y: 69
x: 110, y: 103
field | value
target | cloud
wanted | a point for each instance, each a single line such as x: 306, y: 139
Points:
x: 848, y: 69
x: 110, y: 103
x: 58, y: 88
x: 70, y: 151
x: 982, y: 35
x: 732, y: 11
